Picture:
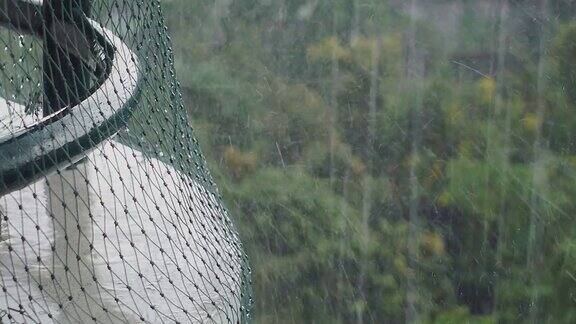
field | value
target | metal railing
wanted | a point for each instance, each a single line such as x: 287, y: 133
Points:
x: 78, y: 114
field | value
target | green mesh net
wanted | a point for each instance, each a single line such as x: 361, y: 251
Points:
x: 107, y: 210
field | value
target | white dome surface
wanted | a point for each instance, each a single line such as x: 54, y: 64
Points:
x: 118, y: 238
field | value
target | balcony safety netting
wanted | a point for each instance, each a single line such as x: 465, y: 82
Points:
x: 107, y: 210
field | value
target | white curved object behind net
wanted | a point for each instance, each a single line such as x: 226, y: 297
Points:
x: 118, y: 238
x: 13, y: 118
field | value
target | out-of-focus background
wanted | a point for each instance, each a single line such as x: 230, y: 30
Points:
x: 391, y: 161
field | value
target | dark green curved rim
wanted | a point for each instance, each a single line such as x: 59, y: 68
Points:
x: 57, y: 142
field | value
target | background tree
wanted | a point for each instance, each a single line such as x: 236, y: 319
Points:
x: 392, y: 161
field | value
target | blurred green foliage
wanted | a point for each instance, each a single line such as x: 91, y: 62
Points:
x: 391, y: 161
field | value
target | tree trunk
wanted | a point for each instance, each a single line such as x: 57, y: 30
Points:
x: 415, y: 75
x: 497, y: 157
x: 367, y: 186
x: 534, y: 257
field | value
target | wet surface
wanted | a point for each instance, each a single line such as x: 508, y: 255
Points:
x: 117, y: 238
